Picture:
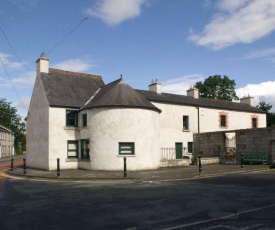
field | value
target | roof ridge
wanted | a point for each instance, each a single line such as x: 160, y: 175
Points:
x: 75, y: 73
x: 111, y: 83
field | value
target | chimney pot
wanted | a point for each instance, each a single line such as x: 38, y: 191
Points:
x: 247, y: 100
x: 193, y: 92
x: 155, y: 86
x: 42, y: 64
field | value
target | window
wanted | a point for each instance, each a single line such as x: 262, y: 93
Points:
x: 223, y: 121
x: 254, y: 122
x: 72, y: 149
x: 71, y: 118
x: 190, y: 147
x: 85, y: 149
x: 84, y: 120
x: 185, y: 122
x: 126, y: 148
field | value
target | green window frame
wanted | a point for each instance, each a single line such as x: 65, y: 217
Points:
x: 223, y: 120
x: 85, y: 149
x: 72, y: 149
x: 126, y: 148
x: 185, y: 122
x: 71, y: 118
x: 84, y: 119
x: 190, y: 147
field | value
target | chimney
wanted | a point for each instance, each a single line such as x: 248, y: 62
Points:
x: 42, y: 64
x: 193, y: 92
x: 247, y: 100
x: 155, y: 86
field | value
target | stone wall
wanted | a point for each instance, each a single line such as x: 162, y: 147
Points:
x: 212, y: 144
x: 209, y: 144
x: 257, y: 140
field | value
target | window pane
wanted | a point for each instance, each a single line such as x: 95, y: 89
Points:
x: 72, y: 149
x: 185, y: 122
x: 72, y: 146
x: 71, y: 118
x: 85, y: 149
x: 223, y: 121
x: 190, y: 147
x: 84, y: 120
x: 72, y: 154
x: 254, y: 122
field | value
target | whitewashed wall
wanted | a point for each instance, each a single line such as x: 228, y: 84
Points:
x: 59, y: 134
x: 209, y: 120
x: 37, y: 133
x: 171, y: 122
x: 109, y: 126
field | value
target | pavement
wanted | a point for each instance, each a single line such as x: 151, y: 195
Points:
x: 161, y: 174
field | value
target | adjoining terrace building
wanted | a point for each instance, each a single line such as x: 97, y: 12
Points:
x: 6, y: 142
x: 92, y: 125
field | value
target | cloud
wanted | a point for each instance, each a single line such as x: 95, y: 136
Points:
x: 25, y: 80
x: 231, y: 5
x: 260, y: 54
x: 6, y: 61
x: 181, y: 84
x: 114, y: 12
x: 76, y: 65
x: 261, y: 92
x: 237, y: 22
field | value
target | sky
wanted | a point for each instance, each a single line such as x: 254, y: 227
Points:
x: 179, y: 42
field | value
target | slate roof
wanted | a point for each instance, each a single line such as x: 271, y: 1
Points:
x: 197, y: 102
x: 119, y: 94
x: 74, y: 90
x: 69, y: 89
x: 3, y: 128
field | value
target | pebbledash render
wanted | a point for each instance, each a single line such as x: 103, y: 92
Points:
x: 91, y: 125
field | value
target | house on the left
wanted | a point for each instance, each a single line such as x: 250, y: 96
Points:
x: 6, y: 142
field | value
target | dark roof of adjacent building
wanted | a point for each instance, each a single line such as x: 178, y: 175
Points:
x: 119, y: 94
x: 5, y: 129
x: 73, y: 90
x: 197, y: 102
x: 69, y: 89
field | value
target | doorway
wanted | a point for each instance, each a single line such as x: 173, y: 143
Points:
x: 178, y: 150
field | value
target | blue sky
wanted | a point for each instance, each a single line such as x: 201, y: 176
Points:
x: 179, y: 42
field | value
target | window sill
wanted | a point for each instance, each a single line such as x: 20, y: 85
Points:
x: 84, y: 160
x: 70, y: 128
x: 72, y: 160
x: 186, y: 130
x: 77, y: 160
x: 126, y: 155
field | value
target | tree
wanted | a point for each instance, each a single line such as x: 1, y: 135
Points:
x: 264, y: 106
x: 11, y: 120
x: 217, y: 87
x: 270, y: 117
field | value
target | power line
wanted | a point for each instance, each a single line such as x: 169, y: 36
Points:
x: 66, y: 36
x: 12, y: 83
x: 13, y: 49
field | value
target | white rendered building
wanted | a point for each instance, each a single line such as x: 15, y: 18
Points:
x: 89, y: 125
x: 6, y: 142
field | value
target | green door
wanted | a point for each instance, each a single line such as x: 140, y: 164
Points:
x: 178, y: 150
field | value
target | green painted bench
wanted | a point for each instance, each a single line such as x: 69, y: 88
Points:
x: 255, y: 157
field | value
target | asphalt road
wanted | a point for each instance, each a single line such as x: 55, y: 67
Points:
x: 245, y: 201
